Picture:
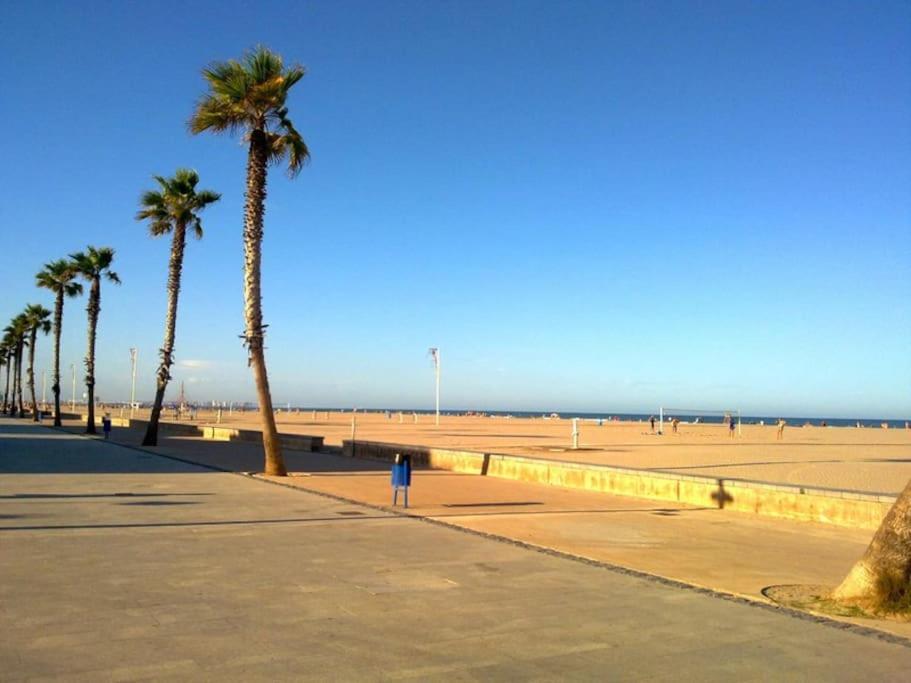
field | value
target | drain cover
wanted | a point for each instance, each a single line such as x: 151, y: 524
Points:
x: 349, y: 513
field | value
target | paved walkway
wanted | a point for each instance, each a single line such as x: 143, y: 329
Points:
x: 121, y: 565
x: 735, y: 553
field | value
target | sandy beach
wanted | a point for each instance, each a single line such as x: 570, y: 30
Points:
x: 862, y: 459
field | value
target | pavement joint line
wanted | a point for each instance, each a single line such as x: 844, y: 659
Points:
x: 822, y: 620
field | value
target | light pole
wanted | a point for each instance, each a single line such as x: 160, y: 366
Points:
x: 73, y: 368
x: 435, y: 354
x: 134, y: 353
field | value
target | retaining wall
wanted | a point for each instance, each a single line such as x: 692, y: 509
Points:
x: 294, y: 442
x: 843, y: 508
x: 298, y: 442
x: 115, y: 421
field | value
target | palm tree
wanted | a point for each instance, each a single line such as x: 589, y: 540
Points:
x: 36, y: 317
x: 93, y: 264
x: 249, y: 97
x: 17, y: 330
x: 58, y: 276
x: 6, y: 358
x: 173, y: 208
x: 881, y: 579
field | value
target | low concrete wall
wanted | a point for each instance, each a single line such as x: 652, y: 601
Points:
x: 843, y: 508
x: 293, y: 442
x: 171, y: 428
x: 298, y: 442
x: 468, y: 462
x: 115, y: 421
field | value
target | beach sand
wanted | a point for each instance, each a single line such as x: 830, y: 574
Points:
x: 860, y: 459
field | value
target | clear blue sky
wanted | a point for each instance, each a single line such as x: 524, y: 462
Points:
x: 597, y: 206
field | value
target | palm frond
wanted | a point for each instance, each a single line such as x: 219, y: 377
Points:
x: 160, y: 227
x: 218, y: 114
x: 228, y: 79
x: 206, y: 197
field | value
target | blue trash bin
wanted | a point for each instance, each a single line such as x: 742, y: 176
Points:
x: 401, y: 476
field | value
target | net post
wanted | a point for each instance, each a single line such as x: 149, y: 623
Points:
x: 739, y: 425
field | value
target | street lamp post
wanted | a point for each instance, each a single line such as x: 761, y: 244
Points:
x: 134, y: 353
x: 73, y: 368
x: 435, y: 354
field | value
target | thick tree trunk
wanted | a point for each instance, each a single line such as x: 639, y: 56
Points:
x: 175, y: 268
x: 9, y: 361
x: 93, y: 309
x: 881, y: 579
x: 14, y: 355
x: 151, y: 435
x: 31, y: 373
x: 21, y: 403
x: 255, y: 332
x: 58, y: 322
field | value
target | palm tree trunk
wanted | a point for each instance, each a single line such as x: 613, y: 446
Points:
x: 175, y: 267
x: 58, y: 322
x: 93, y: 309
x: 21, y: 352
x: 11, y: 406
x: 881, y: 579
x: 31, y: 372
x: 9, y: 361
x: 254, y: 333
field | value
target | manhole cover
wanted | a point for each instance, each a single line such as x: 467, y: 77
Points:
x: 349, y: 513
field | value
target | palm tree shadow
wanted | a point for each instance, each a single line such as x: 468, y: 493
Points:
x: 722, y: 497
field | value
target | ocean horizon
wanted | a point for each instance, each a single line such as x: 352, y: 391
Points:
x: 684, y: 416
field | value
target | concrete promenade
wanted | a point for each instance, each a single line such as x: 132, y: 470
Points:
x: 118, y: 564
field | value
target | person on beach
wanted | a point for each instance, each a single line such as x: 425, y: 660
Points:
x: 780, y: 434
x: 651, y: 421
x: 674, y: 423
x: 731, y: 427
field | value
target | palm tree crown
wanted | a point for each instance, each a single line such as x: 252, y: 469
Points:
x: 17, y: 328
x: 176, y: 203
x: 59, y: 276
x: 36, y: 317
x: 249, y: 95
x: 95, y: 262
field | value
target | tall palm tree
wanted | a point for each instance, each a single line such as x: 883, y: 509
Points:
x: 6, y: 358
x: 93, y: 264
x: 58, y: 276
x: 17, y: 329
x: 173, y: 208
x: 36, y: 317
x: 249, y: 97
